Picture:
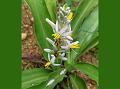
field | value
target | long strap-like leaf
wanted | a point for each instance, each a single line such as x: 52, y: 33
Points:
x: 51, y: 6
x: 77, y: 82
x: 54, y: 75
x: 42, y: 29
x: 90, y: 70
x: 33, y: 77
x: 87, y: 33
x: 81, y: 13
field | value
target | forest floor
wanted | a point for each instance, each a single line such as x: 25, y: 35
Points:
x: 31, y: 53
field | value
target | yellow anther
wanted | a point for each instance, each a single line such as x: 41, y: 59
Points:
x: 70, y: 16
x: 74, y: 46
x: 47, y: 64
x: 56, y: 35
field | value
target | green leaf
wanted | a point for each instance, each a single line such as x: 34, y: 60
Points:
x: 88, y: 69
x: 40, y: 86
x: 42, y: 29
x: 77, y: 82
x: 69, y: 2
x: 82, y: 12
x: 93, y: 44
x: 87, y: 33
x: 54, y: 75
x: 33, y: 77
x: 51, y: 6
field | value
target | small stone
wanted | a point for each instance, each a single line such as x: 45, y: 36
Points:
x: 27, y: 16
x: 26, y: 25
x: 24, y: 35
x: 32, y: 19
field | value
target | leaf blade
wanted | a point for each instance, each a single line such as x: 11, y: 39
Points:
x: 33, y: 77
x: 51, y: 6
x: 54, y: 75
x: 42, y: 29
x: 77, y: 82
x: 87, y: 33
x: 83, y: 11
x: 90, y: 70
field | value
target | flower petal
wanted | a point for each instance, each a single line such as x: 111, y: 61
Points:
x: 63, y: 29
x: 56, y: 64
x: 61, y: 13
x: 69, y: 29
x: 62, y: 72
x: 76, y: 42
x: 51, y: 42
x: 64, y: 58
x: 61, y: 8
x: 63, y: 54
x: 48, y: 50
x: 65, y: 47
x: 69, y: 38
x: 57, y: 26
x: 51, y: 24
x: 52, y: 59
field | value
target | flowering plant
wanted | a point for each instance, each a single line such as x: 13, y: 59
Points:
x: 63, y: 37
x: 63, y: 42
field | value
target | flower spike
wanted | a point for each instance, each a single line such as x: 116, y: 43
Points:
x: 62, y: 40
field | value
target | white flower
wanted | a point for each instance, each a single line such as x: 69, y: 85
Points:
x: 71, y: 45
x: 69, y: 38
x: 48, y: 50
x: 62, y: 72
x: 51, y: 24
x: 62, y: 56
x: 50, y: 82
x: 60, y: 32
x: 51, y: 42
x: 52, y: 60
x: 65, y: 47
x: 55, y: 27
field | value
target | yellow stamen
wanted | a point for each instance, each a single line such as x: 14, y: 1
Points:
x: 69, y: 17
x: 56, y: 35
x: 47, y: 64
x: 74, y: 46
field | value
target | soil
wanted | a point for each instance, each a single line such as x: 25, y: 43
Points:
x: 31, y: 56
x: 31, y: 52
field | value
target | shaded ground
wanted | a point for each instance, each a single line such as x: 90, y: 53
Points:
x: 31, y: 56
